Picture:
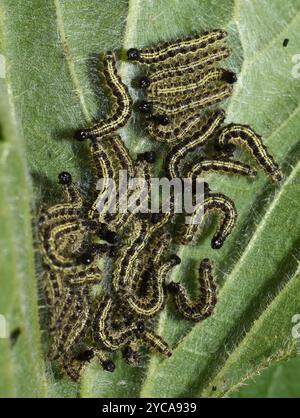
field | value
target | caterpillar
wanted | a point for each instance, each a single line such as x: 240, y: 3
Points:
x: 245, y: 135
x: 116, y: 150
x: 157, y: 343
x: 76, y: 364
x: 141, y: 234
x: 69, y: 210
x: 108, y: 332
x: 149, y: 261
x: 129, y: 204
x: 53, y: 286
x: 60, y: 297
x: 184, y: 67
x: 182, y: 86
x: 65, y: 242
x: 60, y: 309
x: 176, y: 129
x: 213, y: 202
x: 220, y: 164
x: 64, y: 236
x: 74, y: 331
x: 122, y: 264
x: 73, y: 368
x: 139, y: 197
x: 127, y: 270
x: 73, y: 326
x: 199, y: 101
x: 202, y: 308
x: 179, y: 151
x: 106, y: 363
x: 109, y: 156
x: 90, y: 276
x: 55, y: 283
x: 154, y: 300
x: 148, y: 337
x: 67, y: 260
x: 122, y: 108
x: 124, y: 157
x: 171, y: 49
x: 122, y: 336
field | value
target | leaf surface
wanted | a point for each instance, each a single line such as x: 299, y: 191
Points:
x: 51, y: 52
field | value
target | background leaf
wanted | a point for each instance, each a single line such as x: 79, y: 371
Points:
x: 51, y: 52
x: 21, y: 364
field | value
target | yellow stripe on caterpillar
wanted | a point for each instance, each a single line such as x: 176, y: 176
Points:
x: 182, y: 86
x: 184, y: 67
x: 204, y: 306
x: 179, y: 151
x: 212, y: 202
x: 121, y: 109
x: 194, y: 103
x: 219, y: 165
x: 169, y: 50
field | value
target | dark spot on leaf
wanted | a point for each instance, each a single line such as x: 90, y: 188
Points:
x: 14, y: 335
x: 285, y: 42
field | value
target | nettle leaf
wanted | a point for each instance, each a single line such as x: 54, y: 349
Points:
x: 278, y: 381
x: 51, y: 87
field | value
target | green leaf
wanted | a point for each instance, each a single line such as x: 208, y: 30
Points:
x: 21, y: 360
x: 51, y: 53
x: 279, y: 381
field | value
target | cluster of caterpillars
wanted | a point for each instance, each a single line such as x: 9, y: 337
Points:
x: 183, y: 85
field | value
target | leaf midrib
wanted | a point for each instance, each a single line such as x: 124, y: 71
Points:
x: 70, y: 61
